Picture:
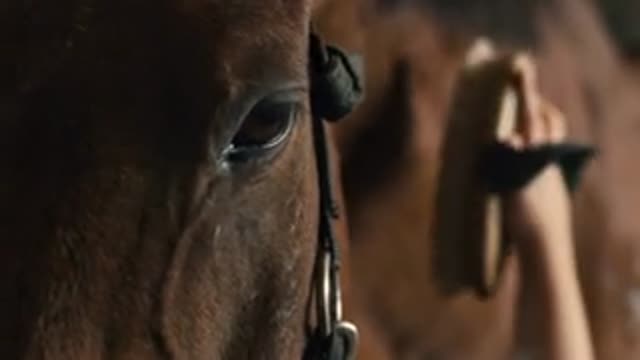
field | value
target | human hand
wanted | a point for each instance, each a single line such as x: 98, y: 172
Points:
x: 540, y: 210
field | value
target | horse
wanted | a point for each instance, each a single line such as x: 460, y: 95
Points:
x: 159, y: 186
x: 390, y: 151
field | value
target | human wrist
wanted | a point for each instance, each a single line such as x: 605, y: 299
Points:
x: 548, y: 255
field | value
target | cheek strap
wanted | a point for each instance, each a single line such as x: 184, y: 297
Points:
x: 336, y: 89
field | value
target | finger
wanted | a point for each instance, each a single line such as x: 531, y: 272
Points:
x: 515, y: 141
x: 555, y: 123
x: 531, y: 124
x: 508, y: 114
x: 481, y: 52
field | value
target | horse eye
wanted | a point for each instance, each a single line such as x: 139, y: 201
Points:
x: 264, y: 129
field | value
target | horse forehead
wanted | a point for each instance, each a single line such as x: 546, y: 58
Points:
x: 267, y: 5
x: 264, y: 18
x: 250, y: 42
x: 274, y: 26
x: 257, y: 36
x: 276, y: 12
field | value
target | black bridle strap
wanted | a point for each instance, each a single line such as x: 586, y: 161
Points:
x: 336, y: 78
x: 505, y: 169
x: 328, y: 206
x: 336, y: 89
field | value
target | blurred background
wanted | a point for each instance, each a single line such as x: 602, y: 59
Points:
x: 588, y: 56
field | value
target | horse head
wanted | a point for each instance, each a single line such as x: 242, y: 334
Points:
x: 159, y: 192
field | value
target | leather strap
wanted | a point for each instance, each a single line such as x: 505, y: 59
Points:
x: 506, y: 169
x: 336, y: 89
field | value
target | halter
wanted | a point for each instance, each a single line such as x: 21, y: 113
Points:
x: 336, y: 89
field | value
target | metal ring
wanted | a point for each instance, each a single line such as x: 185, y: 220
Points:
x: 324, y: 295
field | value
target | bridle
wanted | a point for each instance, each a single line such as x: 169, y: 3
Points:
x: 336, y: 89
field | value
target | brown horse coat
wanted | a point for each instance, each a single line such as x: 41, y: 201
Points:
x: 126, y: 232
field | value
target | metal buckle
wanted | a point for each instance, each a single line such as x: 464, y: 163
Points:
x: 345, y: 337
